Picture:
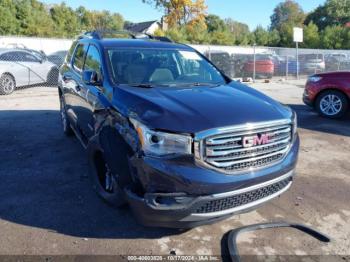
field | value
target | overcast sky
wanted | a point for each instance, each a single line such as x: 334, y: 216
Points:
x: 251, y: 12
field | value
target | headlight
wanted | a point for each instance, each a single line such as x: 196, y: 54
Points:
x: 295, y: 123
x: 156, y: 143
x: 314, y: 79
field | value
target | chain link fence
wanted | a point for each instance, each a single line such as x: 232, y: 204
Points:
x: 271, y: 62
x: 29, y: 62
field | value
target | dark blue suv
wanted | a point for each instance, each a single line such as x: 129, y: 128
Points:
x: 168, y: 133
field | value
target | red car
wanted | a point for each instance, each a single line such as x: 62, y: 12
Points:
x: 264, y: 66
x: 328, y: 93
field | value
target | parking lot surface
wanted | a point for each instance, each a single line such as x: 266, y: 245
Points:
x: 48, y: 207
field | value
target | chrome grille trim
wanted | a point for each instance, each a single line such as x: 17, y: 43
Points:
x: 219, y: 151
x: 211, y: 141
x: 231, y: 163
x: 222, y: 149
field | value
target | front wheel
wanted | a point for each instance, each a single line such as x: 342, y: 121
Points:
x: 332, y: 104
x: 7, y: 84
x: 105, y: 178
x: 67, y: 130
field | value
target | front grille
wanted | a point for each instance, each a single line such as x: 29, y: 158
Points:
x: 247, y: 149
x: 242, y: 199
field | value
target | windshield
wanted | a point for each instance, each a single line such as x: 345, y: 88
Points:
x: 162, y: 67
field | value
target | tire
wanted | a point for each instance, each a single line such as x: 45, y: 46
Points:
x: 52, y: 77
x: 332, y: 104
x: 67, y: 130
x: 108, y: 164
x: 7, y: 84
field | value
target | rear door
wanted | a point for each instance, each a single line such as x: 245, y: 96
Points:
x: 38, y: 70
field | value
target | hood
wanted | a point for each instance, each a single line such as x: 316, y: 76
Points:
x: 190, y: 110
x: 337, y: 74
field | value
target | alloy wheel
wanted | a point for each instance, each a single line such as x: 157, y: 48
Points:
x: 8, y: 84
x: 331, y: 105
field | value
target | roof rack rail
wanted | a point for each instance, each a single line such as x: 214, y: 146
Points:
x: 106, y: 33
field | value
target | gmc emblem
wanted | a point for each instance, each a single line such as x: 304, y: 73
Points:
x: 257, y: 140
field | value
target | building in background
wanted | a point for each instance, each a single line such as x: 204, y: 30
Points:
x: 145, y: 27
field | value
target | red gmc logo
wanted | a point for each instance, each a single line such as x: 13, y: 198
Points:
x: 257, y: 140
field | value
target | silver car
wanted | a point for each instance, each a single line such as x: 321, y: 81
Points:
x: 312, y: 63
x: 24, y: 67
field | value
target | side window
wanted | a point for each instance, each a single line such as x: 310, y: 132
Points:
x: 93, y: 60
x: 29, y: 57
x: 70, y: 52
x: 12, y: 56
x: 8, y: 57
x: 79, y: 55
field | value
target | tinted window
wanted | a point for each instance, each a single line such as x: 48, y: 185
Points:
x: 10, y: 56
x: 93, y: 60
x: 28, y: 57
x: 78, y: 60
x: 18, y: 56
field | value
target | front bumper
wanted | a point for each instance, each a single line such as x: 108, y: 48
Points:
x: 182, y: 195
x: 205, y: 209
x: 307, y: 100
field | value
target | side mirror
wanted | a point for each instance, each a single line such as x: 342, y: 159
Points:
x: 91, y: 77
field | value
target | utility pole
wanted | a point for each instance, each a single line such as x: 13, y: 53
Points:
x: 298, y: 37
x: 254, y: 66
x: 297, y: 54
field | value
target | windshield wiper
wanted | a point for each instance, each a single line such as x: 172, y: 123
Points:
x: 142, y: 85
x: 205, y: 84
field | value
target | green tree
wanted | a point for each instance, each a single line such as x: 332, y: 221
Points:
x: 32, y: 18
x: 288, y: 12
x: 311, y: 36
x: 287, y: 15
x: 215, y: 23
x: 274, y: 38
x: 261, y: 36
x: 85, y: 18
x: 106, y: 20
x: 318, y: 17
x: 221, y: 38
x: 336, y: 37
x: 240, y: 32
x: 176, y: 34
x: 333, y: 12
x: 196, y: 33
x: 66, y: 22
x: 9, y: 25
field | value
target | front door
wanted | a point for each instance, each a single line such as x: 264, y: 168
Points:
x: 92, y: 93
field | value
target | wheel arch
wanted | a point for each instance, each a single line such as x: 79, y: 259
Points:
x: 330, y: 89
x: 10, y: 74
x: 53, y: 72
